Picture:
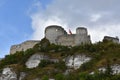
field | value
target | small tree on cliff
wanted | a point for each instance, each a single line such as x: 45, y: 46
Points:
x: 44, y: 44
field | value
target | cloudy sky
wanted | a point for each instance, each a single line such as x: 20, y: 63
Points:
x: 22, y: 20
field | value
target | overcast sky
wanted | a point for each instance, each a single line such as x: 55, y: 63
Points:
x: 26, y: 19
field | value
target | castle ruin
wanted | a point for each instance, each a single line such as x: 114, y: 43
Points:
x: 113, y: 39
x: 57, y: 35
x: 23, y: 46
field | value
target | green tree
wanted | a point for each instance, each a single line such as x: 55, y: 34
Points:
x: 45, y: 77
x: 59, y: 77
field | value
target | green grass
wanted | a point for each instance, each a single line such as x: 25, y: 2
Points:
x: 102, y: 53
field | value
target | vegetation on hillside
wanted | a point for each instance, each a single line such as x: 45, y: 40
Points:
x: 103, y: 54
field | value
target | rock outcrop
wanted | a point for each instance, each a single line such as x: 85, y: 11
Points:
x: 115, y: 69
x: 76, y: 61
x: 34, y: 60
x: 8, y: 74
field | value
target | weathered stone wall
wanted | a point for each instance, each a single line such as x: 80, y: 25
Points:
x: 82, y: 36
x: 23, y: 46
x: 82, y: 31
x: 113, y: 39
x: 52, y: 33
x: 57, y: 35
x: 82, y: 39
x: 66, y: 40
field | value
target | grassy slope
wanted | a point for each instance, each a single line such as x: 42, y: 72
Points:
x: 102, y: 53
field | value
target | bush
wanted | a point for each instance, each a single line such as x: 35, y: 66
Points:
x: 45, y: 77
x: 61, y: 65
x: 44, y: 63
x: 11, y: 59
x: 59, y: 77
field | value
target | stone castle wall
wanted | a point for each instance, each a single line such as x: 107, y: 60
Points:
x: 66, y: 40
x: 82, y: 36
x: 52, y: 33
x: 82, y: 39
x: 57, y: 35
x: 23, y: 46
x: 113, y: 39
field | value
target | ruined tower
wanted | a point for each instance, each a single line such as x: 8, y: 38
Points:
x: 53, y: 32
x: 57, y: 35
x: 82, y: 36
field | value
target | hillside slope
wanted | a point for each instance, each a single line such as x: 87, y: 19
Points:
x: 45, y: 61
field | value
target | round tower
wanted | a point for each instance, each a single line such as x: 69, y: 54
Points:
x: 82, y: 36
x: 53, y: 32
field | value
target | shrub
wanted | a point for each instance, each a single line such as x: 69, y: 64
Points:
x: 61, y: 65
x: 45, y: 77
x: 59, y: 77
x: 44, y: 63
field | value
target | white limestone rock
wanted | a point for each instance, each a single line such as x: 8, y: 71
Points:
x: 8, y: 74
x: 102, y: 69
x: 51, y: 79
x: 34, y: 60
x: 115, y: 68
x: 68, y: 71
x: 22, y: 75
x: 76, y: 61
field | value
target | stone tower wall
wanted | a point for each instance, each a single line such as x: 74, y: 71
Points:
x: 82, y: 36
x: 53, y: 32
x: 81, y: 31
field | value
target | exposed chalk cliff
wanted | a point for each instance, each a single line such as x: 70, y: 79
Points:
x: 76, y: 61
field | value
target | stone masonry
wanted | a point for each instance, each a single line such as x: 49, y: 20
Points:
x: 23, y: 46
x: 57, y: 35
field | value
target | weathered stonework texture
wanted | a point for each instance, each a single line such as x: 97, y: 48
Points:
x: 57, y: 35
x: 23, y: 46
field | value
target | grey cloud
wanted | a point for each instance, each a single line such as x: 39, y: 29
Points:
x: 74, y: 13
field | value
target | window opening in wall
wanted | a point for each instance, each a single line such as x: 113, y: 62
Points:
x: 56, y: 29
